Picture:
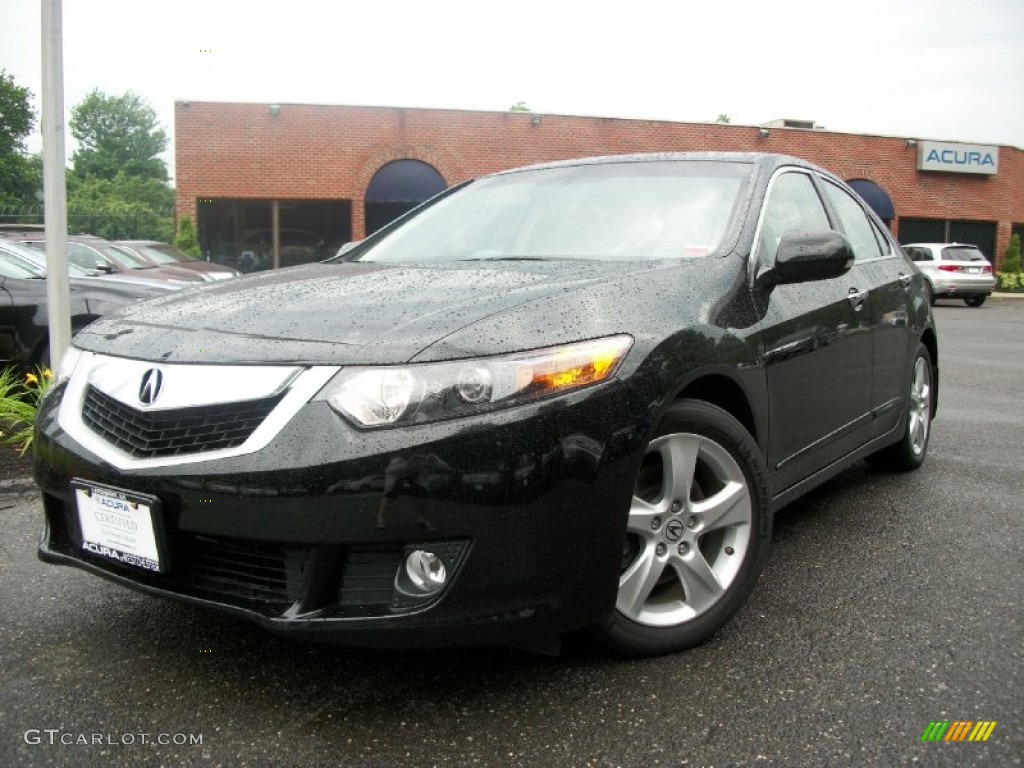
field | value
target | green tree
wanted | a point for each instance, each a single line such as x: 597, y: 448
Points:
x: 723, y: 119
x: 117, y: 134
x: 519, y: 106
x: 186, y: 238
x: 20, y: 173
x: 1011, y: 257
x: 122, y: 208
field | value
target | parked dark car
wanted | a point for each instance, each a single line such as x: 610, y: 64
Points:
x: 36, y: 257
x: 254, y: 250
x: 24, y: 323
x: 571, y: 395
x: 156, y: 253
x: 97, y: 255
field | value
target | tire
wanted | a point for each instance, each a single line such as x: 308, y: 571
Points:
x: 696, y: 537
x: 909, y: 453
x: 975, y: 301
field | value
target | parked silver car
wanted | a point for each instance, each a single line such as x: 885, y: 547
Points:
x: 954, y: 271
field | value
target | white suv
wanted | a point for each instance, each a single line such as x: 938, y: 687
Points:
x: 954, y: 271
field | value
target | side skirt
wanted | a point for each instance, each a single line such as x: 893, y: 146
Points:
x: 839, y: 465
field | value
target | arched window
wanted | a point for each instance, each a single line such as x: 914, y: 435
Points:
x: 398, y: 187
x: 876, y: 197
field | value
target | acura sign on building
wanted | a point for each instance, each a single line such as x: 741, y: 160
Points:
x: 957, y: 158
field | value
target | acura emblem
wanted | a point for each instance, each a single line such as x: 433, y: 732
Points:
x: 152, y: 383
x: 674, y: 529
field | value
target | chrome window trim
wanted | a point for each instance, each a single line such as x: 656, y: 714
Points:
x: 300, y: 382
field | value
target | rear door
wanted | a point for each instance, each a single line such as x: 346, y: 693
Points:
x: 884, y: 273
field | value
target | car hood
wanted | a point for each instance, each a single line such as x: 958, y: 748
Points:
x: 342, y: 314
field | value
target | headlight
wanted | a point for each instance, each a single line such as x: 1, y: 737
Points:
x: 417, y: 394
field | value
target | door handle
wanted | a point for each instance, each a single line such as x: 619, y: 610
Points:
x: 905, y: 279
x: 856, y: 299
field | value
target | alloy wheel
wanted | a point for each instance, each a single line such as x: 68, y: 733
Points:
x: 689, y: 529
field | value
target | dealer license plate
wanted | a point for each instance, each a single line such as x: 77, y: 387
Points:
x: 118, y: 525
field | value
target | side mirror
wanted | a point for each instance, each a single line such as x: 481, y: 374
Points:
x: 806, y: 256
x: 104, y: 267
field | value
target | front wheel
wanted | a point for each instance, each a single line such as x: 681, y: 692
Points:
x: 975, y: 301
x: 697, y: 535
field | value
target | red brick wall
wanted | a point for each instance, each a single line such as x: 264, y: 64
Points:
x: 314, y: 152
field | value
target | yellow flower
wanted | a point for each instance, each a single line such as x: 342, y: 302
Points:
x: 47, y: 373
x: 31, y: 378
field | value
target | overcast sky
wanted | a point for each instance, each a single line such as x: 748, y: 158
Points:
x: 935, y: 69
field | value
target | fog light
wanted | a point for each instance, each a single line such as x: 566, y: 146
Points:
x: 425, y: 570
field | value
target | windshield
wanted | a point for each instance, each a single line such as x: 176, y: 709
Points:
x: 627, y: 210
x: 37, y: 257
x: 157, y: 254
x: 962, y: 253
x: 121, y: 257
x: 12, y: 266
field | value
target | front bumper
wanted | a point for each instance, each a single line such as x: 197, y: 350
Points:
x: 307, y: 536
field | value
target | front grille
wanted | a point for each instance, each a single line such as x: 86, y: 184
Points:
x: 148, y: 434
x: 240, y: 572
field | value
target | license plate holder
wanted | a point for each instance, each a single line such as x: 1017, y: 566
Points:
x: 120, y: 525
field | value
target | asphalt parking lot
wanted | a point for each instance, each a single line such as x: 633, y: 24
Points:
x: 888, y: 602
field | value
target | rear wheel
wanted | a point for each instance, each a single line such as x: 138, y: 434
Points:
x: 975, y: 301
x: 697, y: 534
x: 910, y: 451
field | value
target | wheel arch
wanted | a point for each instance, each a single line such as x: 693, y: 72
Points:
x: 931, y: 343
x: 725, y: 393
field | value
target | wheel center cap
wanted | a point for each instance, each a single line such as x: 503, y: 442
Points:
x: 674, y: 529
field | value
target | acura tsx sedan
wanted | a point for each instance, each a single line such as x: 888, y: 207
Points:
x: 565, y: 396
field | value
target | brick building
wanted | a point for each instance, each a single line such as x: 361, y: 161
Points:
x: 321, y: 175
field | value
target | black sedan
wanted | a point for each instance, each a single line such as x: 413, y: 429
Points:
x: 571, y: 395
x: 24, y: 334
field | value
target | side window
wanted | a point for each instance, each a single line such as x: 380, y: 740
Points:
x: 918, y: 254
x: 883, y: 240
x: 855, y: 222
x: 793, y: 204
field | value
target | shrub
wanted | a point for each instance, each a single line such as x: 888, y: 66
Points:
x: 186, y: 238
x: 19, y: 400
x: 1011, y: 257
x: 1010, y: 281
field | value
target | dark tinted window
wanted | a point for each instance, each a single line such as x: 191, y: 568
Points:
x: 918, y: 254
x: 855, y: 222
x: 962, y: 253
x: 793, y: 204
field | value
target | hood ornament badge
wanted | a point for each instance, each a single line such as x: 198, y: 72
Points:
x: 152, y: 385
